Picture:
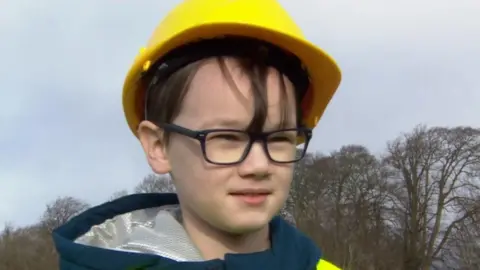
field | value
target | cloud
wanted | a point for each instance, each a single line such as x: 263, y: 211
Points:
x: 63, y: 65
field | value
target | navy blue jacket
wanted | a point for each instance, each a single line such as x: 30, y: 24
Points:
x: 291, y: 250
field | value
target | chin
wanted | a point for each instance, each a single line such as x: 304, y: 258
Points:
x: 248, y: 222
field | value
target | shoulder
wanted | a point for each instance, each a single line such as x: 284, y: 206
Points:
x: 325, y: 265
x: 300, y: 248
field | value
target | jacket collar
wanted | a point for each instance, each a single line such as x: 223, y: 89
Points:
x: 290, y: 248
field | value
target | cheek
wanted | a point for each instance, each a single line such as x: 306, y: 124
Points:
x: 194, y: 177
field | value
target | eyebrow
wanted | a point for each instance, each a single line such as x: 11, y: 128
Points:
x: 224, y: 123
x: 240, y: 124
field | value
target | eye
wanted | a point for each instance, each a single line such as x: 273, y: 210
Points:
x: 279, y: 139
x: 226, y: 136
x: 288, y: 136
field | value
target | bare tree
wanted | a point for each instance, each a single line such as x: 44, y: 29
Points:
x: 61, y: 210
x: 437, y: 168
x: 27, y: 248
x: 463, y: 252
x: 307, y: 191
x: 155, y: 184
x: 341, y: 201
x: 118, y: 194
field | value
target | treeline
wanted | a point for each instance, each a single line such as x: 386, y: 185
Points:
x: 416, y: 206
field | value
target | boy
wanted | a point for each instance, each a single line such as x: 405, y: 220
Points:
x: 224, y: 99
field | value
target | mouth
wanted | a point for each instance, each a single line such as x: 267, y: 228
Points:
x: 251, y: 197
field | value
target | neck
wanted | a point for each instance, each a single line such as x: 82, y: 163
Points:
x: 214, y: 243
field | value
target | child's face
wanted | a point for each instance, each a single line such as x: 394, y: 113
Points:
x: 204, y: 189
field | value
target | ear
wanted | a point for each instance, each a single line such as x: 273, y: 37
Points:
x: 151, y: 138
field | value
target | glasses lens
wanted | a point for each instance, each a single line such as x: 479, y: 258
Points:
x: 225, y: 146
x: 282, y: 146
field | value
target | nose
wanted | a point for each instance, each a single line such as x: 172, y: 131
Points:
x: 256, y: 163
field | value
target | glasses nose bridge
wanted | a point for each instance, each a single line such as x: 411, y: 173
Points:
x: 260, y: 137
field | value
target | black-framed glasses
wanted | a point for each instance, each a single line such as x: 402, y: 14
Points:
x: 232, y: 146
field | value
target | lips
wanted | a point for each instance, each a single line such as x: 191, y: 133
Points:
x: 252, y: 197
x: 251, y: 192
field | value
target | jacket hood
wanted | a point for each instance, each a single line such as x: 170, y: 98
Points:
x: 144, y: 231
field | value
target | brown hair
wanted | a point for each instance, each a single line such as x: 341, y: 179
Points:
x: 165, y: 98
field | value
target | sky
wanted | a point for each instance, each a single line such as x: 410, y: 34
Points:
x: 63, y: 63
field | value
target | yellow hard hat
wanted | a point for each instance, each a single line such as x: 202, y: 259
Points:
x: 266, y: 20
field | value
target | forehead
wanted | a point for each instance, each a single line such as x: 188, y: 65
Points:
x: 221, y: 95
